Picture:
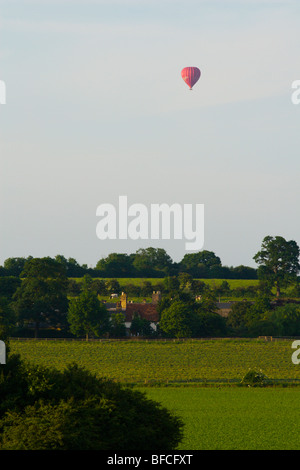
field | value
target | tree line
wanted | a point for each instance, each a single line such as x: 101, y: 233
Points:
x: 44, y: 295
x: 145, y: 262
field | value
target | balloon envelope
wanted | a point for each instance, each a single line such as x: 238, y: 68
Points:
x: 190, y: 75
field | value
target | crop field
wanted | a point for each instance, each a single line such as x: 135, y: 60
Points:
x: 196, y: 380
x: 166, y: 362
x: 234, y: 418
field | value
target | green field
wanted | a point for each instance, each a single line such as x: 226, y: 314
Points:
x: 197, y: 380
x: 234, y: 418
x: 233, y: 283
x: 190, y: 361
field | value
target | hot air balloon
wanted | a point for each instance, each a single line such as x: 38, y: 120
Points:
x: 190, y: 75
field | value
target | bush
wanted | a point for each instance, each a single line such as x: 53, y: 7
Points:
x: 44, y: 409
x: 256, y: 379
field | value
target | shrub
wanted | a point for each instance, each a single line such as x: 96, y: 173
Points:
x: 255, y: 378
x: 45, y: 409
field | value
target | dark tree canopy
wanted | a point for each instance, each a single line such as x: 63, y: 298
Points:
x: 116, y: 265
x: 41, y: 297
x: 177, y: 320
x: 87, y: 315
x: 278, y: 262
x: 200, y: 264
x: 154, y: 260
x: 45, y: 409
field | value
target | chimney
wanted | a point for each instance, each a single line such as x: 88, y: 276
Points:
x: 156, y: 297
x: 123, y: 301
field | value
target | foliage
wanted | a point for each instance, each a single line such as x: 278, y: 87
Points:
x: 14, y: 266
x: 113, y: 286
x: 255, y: 378
x: 238, y: 315
x: 200, y: 264
x: 249, y: 318
x: 41, y: 296
x: 9, y: 285
x: 116, y: 264
x: 87, y: 315
x: 209, y: 324
x: 117, y: 325
x: 147, y: 263
x: 7, y: 318
x: 155, y: 261
x: 177, y: 320
x: 75, y: 410
x: 285, y: 319
x: 141, y: 326
x: 279, y: 262
x: 72, y: 267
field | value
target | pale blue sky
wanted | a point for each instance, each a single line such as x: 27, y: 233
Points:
x: 96, y: 108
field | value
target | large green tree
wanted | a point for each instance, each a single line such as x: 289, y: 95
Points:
x: 41, y: 297
x: 251, y: 318
x: 72, y: 267
x: 14, y: 266
x: 140, y: 326
x: 46, y: 409
x: 286, y: 319
x: 239, y: 317
x: 115, y: 265
x: 152, y: 262
x: 117, y: 325
x: 9, y: 285
x: 87, y: 315
x: 200, y: 264
x: 177, y: 320
x: 278, y: 262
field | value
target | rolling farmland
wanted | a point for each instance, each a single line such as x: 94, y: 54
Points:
x: 197, y: 380
x: 154, y: 362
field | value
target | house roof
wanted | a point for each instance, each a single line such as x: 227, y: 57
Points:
x: 146, y: 311
x: 224, y: 304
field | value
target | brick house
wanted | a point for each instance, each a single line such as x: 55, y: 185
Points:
x: 146, y: 311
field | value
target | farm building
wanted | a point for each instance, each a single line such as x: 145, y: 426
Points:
x: 146, y: 311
